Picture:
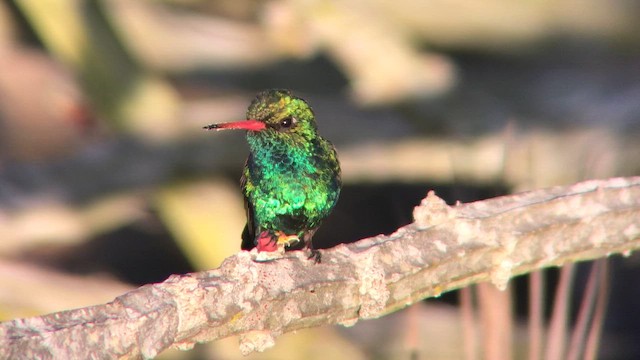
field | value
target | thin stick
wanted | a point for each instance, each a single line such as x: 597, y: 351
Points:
x: 468, y: 317
x: 578, y: 340
x: 556, y: 339
x: 536, y: 314
x: 495, y: 317
x: 593, y: 339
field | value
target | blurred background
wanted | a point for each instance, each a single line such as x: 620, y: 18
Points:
x: 108, y: 182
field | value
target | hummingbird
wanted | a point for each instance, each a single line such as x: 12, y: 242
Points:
x: 291, y: 179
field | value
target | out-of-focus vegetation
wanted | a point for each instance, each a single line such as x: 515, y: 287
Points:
x: 108, y: 181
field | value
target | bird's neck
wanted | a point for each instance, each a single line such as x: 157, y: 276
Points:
x: 283, y: 154
x: 281, y: 145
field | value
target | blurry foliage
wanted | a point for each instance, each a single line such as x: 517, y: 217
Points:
x: 193, y: 213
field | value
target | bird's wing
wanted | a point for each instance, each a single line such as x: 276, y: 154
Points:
x: 248, y: 234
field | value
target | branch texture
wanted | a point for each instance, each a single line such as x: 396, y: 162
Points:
x: 444, y: 249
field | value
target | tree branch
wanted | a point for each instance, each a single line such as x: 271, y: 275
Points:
x: 444, y: 249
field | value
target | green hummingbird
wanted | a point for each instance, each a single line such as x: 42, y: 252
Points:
x: 291, y: 179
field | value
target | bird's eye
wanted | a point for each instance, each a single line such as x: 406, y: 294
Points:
x: 287, y: 122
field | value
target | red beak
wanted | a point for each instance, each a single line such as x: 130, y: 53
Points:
x: 250, y: 125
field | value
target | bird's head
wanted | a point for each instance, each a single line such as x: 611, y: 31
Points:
x: 275, y: 114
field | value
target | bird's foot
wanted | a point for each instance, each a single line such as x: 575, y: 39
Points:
x: 286, y: 240
x: 266, y: 242
x: 315, y: 255
x: 268, y: 247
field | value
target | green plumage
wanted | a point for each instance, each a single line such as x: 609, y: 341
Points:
x: 291, y: 180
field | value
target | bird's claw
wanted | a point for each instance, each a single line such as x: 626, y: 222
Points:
x: 286, y: 240
x: 270, y: 246
x: 266, y: 242
x: 315, y: 255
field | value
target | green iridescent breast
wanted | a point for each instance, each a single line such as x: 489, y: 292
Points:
x: 292, y: 186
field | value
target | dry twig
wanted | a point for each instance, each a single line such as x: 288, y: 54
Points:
x: 444, y: 249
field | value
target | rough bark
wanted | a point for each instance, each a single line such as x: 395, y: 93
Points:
x: 444, y: 249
